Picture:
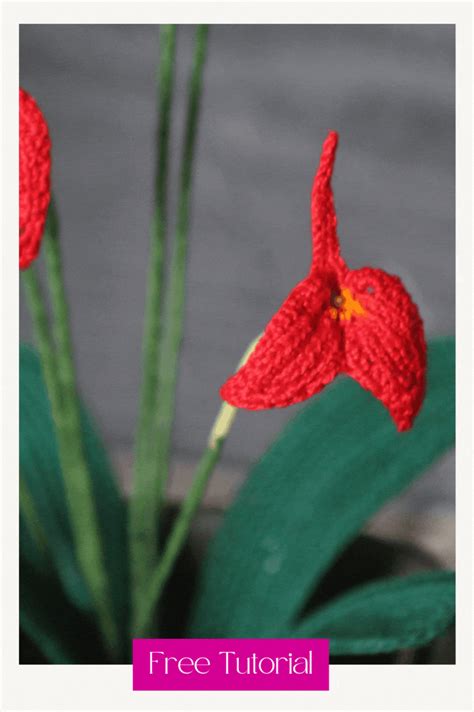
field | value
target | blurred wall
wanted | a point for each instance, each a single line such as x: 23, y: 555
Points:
x: 271, y: 94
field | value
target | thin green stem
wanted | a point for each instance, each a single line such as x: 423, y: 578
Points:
x: 176, y: 292
x: 176, y: 540
x: 77, y: 480
x: 143, y: 520
x: 179, y: 533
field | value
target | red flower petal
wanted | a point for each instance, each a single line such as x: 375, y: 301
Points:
x: 299, y: 353
x: 385, y: 350
x: 326, y: 255
x: 35, y: 167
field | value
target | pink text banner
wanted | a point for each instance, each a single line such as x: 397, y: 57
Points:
x: 230, y: 664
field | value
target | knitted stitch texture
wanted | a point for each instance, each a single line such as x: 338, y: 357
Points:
x: 362, y: 323
x: 35, y: 166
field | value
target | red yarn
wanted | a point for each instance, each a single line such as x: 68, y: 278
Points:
x: 362, y: 323
x: 35, y: 166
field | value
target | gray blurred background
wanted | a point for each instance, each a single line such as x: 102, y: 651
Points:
x: 271, y: 94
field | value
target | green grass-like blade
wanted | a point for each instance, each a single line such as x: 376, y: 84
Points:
x: 41, y: 471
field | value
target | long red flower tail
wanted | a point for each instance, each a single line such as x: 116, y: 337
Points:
x: 326, y: 254
x: 385, y: 350
x: 35, y: 165
x: 299, y: 353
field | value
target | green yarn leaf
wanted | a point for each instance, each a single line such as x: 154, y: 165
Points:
x: 29, y: 548
x: 385, y: 616
x: 62, y: 633
x: 332, y: 467
x: 32, y: 537
x: 41, y: 471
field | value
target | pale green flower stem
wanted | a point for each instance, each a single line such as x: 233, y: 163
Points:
x: 182, y: 524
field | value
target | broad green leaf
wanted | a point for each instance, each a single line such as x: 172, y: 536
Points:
x: 32, y: 537
x: 62, y: 633
x: 41, y: 471
x: 332, y: 467
x: 384, y: 616
x: 29, y: 548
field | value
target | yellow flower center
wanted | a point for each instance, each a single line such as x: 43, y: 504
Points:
x: 344, y: 306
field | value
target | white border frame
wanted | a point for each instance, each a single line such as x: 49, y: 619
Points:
x: 352, y: 687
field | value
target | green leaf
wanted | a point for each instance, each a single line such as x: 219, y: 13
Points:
x: 41, y: 471
x: 32, y: 537
x: 332, y: 467
x: 30, y: 549
x: 62, y: 633
x: 384, y: 616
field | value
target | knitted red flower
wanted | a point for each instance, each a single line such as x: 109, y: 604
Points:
x: 362, y: 323
x: 35, y: 165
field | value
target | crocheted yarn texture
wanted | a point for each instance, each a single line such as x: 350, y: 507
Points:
x: 362, y: 323
x: 35, y: 166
